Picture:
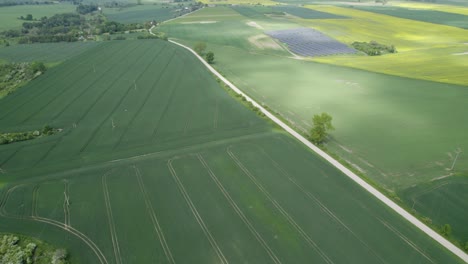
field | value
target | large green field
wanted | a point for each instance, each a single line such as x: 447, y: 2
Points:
x: 399, y: 132
x: 156, y: 163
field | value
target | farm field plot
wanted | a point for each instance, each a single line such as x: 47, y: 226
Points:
x: 140, y: 13
x: 45, y: 52
x: 309, y: 42
x: 442, y: 199
x: 431, y: 16
x: 158, y: 164
x: 426, y: 46
x: 9, y: 14
x: 236, y: 202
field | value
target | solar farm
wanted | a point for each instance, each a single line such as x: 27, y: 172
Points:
x: 308, y: 42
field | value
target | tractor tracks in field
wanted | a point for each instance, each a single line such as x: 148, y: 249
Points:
x: 238, y: 211
x: 153, y: 217
x: 319, y: 203
x: 110, y: 219
x: 66, y: 204
x: 195, y: 213
x: 405, y: 239
x: 34, y: 91
x: 101, y: 257
x: 285, y: 214
x: 63, y: 91
x: 145, y: 101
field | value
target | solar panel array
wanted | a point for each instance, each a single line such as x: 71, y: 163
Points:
x: 309, y: 42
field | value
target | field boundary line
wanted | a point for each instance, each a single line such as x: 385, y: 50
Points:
x: 197, y: 216
x: 286, y: 215
x: 322, y: 206
x: 66, y: 204
x: 154, y: 218
x: 35, y: 192
x: 216, y: 115
x: 369, y: 188
x: 110, y: 219
x: 239, y: 212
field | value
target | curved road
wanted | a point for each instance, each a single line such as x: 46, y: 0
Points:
x: 444, y: 242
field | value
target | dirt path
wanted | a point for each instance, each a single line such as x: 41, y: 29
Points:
x: 441, y: 240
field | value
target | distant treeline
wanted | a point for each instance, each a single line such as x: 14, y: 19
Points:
x: 67, y: 27
x: 86, y: 9
x: 14, y: 3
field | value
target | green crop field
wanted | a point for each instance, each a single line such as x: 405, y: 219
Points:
x: 399, y: 132
x: 9, y: 14
x: 442, y: 199
x: 431, y: 16
x: 141, y: 13
x: 156, y: 163
x: 45, y: 52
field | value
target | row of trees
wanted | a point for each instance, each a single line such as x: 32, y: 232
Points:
x: 8, y: 138
x: 13, y: 75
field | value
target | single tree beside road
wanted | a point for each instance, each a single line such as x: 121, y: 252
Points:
x: 321, y: 127
x: 210, y: 57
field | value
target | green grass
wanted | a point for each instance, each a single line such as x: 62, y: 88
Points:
x: 45, y: 52
x: 441, y: 201
x: 9, y: 14
x: 158, y: 162
x: 431, y: 16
